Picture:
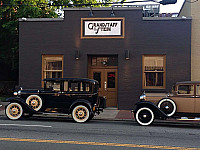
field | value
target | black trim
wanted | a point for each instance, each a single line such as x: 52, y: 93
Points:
x: 22, y: 102
x: 159, y: 114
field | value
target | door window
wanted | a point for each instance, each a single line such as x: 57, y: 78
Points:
x: 53, y: 85
x: 111, y: 79
x: 198, y: 89
x: 186, y: 89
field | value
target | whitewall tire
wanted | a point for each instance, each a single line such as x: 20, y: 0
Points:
x: 168, y: 106
x: 144, y: 116
x: 80, y: 114
x: 14, y: 111
x: 35, y: 102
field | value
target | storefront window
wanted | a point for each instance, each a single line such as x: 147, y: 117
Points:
x: 52, y: 66
x: 154, y: 71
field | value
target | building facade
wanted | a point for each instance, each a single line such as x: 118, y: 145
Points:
x: 125, y: 52
x: 191, y: 9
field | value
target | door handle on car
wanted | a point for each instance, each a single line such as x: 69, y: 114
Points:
x: 61, y: 92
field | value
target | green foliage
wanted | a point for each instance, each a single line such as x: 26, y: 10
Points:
x: 9, y: 15
x: 9, y: 31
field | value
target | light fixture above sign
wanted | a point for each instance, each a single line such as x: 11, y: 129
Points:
x: 102, y: 28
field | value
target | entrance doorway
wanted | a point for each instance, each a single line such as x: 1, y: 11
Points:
x: 106, y: 75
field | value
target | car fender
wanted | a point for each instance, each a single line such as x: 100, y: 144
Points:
x: 159, y: 114
x: 22, y: 102
x: 81, y: 102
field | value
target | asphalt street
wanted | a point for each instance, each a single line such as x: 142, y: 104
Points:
x: 60, y: 133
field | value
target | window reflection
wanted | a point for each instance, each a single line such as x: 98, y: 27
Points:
x: 185, y: 89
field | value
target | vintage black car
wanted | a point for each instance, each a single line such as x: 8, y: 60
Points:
x: 78, y: 97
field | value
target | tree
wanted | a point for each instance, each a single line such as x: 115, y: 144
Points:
x: 10, y: 11
x: 9, y: 15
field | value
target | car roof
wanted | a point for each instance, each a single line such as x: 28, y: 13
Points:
x: 71, y: 79
x: 188, y: 82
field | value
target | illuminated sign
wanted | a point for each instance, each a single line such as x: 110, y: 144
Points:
x: 102, y: 28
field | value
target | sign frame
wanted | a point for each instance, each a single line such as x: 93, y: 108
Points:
x: 122, y: 34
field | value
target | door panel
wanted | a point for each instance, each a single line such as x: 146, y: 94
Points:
x: 197, y: 99
x: 107, y: 79
x: 185, y: 104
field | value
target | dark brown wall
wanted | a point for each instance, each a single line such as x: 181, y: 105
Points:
x: 142, y: 36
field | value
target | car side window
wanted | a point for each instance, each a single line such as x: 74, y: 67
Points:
x: 53, y: 85
x: 73, y: 87
x: 198, y: 89
x: 66, y: 86
x: 186, y: 89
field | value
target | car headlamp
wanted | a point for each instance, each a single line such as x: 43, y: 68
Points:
x: 143, y: 97
x: 17, y: 93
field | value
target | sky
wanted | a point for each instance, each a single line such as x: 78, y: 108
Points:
x: 172, y: 8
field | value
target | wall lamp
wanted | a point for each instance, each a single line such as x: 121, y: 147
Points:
x: 112, y: 13
x: 77, y: 55
x: 127, y: 54
x: 91, y: 12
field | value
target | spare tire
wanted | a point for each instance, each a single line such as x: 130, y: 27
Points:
x: 168, y: 106
x: 35, y: 102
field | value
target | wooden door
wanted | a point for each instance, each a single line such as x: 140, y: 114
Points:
x: 107, y: 79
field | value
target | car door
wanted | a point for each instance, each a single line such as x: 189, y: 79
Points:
x: 197, y: 99
x: 54, y: 97
x: 184, y: 99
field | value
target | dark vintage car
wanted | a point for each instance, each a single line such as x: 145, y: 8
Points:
x: 78, y: 97
x: 183, y: 101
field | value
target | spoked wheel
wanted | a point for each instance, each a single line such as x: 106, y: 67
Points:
x: 144, y: 116
x: 167, y: 106
x: 80, y: 114
x: 14, y: 111
x: 35, y: 102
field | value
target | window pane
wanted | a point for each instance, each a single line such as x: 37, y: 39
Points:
x: 153, y: 71
x: 73, y: 87
x: 97, y: 76
x: 185, y: 89
x: 104, y: 61
x: 198, y: 89
x: 52, y: 74
x: 65, y: 85
x: 154, y: 79
x: 53, y: 63
x: 52, y: 66
x: 88, y: 87
x: 53, y: 85
x: 152, y: 63
x: 111, y: 79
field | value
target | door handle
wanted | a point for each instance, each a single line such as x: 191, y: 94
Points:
x: 105, y: 85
